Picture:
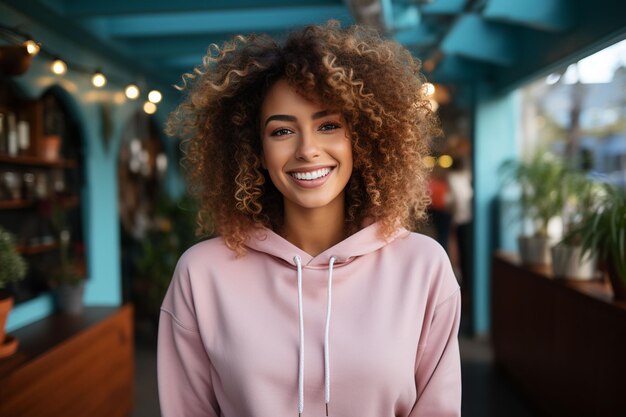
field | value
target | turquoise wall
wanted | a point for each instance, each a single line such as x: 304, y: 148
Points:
x: 496, y: 120
x: 100, y: 197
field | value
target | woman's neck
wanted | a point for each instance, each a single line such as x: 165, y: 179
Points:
x: 314, y: 230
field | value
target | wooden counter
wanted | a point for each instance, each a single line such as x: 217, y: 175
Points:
x: 66, y: 365
x: 563, y: 342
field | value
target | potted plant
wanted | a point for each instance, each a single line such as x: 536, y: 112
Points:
x: 603, y: 232
x: 160, y: 250
x: 583, y: 197
x: 69, y: 278
x: 13, y: 269
x: 541, y: 199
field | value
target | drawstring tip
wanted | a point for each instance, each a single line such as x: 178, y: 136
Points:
x: 326, y: 409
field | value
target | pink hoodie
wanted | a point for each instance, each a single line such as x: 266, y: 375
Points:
x: 239, y: 337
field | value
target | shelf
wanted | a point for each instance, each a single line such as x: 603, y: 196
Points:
x: 65, y: 202
x: 78, y: 365
x: 558, y: 340
x: 15, y: 204
x: 34, y: 250
x: 37, y: 162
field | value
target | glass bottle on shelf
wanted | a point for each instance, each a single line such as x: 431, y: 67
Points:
x: 58, y: 182
x: 12, y: 183
x: 12, y: 145
x: 28, y: 181
x: 23, y: 137
x: 3, y: 139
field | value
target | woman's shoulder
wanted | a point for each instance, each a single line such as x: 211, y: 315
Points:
x: 214, y: 249
x: 432, y: 262
x: 422, y: 244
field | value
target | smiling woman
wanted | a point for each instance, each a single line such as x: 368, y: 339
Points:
x: 307, y: 158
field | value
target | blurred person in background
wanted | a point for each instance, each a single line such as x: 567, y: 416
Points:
x: 461, y: 195
x: 439, y: 208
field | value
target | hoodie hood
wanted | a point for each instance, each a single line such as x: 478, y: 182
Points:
x: 363, y: 242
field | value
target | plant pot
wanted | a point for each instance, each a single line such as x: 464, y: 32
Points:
x: 535, y: 250
x: 51, y: 147
x: 69, y: 298
x: 8, y: 344
x: 617, y: 283
x: 567, y: 263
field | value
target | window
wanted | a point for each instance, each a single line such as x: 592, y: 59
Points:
x: 579, y: 113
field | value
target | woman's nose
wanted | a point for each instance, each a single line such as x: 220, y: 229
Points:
x: 308, y: 148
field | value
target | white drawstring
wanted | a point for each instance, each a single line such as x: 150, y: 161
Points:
x: 296, y: 259
x: 326, y: 344
x: 298, y: 263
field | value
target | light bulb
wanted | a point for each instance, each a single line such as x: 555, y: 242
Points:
x: 58, y: 67
x: 429, y: 89
x: 132, y: 91
x: 445, y: 161
x: 98, y: 79
x: 429, y: 161
x: 154, y: 96
x: 31, y: 47
x: 149, y: 107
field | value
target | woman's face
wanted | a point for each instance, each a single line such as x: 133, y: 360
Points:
x: 307, y: 148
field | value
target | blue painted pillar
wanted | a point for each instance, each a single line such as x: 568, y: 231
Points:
x: 495, y: 130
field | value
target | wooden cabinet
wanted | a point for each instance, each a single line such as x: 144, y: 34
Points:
x: 79, y: 366
x: 563, y: 342
x: 41, y: 184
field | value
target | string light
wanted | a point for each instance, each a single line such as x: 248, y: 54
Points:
x: 31, y: 47
x: 429, y: 161
x: 132, y: 91
x: 58, y: 67
x: 98, y: 80
x: 429, y: 89
x: 445, y: 161
x: 149, y: 107
x: 154, y: 96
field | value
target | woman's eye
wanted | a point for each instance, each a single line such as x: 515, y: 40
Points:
x: 329, y: 126
x: 281, y: 132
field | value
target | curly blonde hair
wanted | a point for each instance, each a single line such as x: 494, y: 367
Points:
x: 374, y: 83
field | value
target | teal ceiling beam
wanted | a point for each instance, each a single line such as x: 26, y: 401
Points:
x: 84, y: 9
x: 405, y: 17
x: 472, y: 37
x: 183, y: 62
x: 245, y: 21
x: 548, y: 15
x: 455, y: 69
x: 164, y: 46
x: 419, y: 35
x: 386, y: 7
x: 444, y: 7
x: 48, y: 17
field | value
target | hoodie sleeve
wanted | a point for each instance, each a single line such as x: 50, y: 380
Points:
x: 183, y: 366
x: 438, y: 365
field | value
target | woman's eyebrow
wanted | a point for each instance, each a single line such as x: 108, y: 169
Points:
x: 288, y: 118
x: 281, y: 117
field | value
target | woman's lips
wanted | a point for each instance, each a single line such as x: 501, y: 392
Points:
x: 312, y: 183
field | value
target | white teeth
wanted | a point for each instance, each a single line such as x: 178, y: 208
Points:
x: 311, y: 175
